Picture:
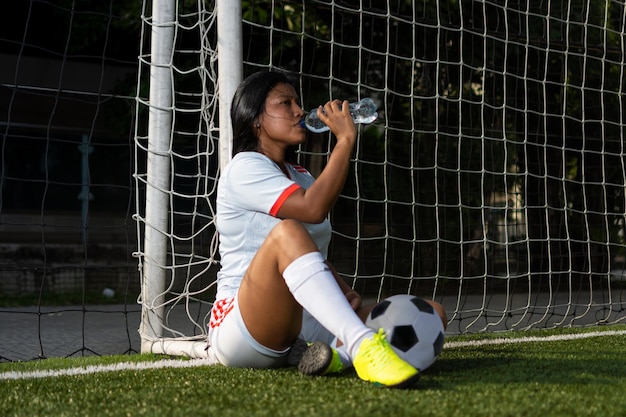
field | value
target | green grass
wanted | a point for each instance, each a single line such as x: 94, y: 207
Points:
x: 584, y: 377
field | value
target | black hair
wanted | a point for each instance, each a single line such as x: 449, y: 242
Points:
x: 248, y: 104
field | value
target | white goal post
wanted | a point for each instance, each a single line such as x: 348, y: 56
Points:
x: 161, y: 130
x: 493, y: 180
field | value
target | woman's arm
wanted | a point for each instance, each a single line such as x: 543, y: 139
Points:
x: 314, y: 204
x: 353, y: 297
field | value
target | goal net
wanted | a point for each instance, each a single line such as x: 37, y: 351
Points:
x: 493, y: 180
x: 67, y: 94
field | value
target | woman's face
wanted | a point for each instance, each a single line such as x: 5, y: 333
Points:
x: 280, y: 120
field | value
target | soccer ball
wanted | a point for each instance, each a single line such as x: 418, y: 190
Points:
x: 413, y: 328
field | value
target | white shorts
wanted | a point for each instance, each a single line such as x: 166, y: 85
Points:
x: 233, y: 345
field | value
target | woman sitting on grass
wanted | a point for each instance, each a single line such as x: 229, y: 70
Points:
x: 275, y: 285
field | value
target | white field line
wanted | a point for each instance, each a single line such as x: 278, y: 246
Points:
x: 191, y: 363
x: 554, y: 338
x: 115, y: 367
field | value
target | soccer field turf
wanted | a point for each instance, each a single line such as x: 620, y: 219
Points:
x: 540, y: 373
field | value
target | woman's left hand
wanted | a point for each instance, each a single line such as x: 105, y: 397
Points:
x: 336, y: 115
x: 354, y: 299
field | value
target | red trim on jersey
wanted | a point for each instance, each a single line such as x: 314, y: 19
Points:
x: 219, y: 311
x: 299, y: 168
x: 281, y: 200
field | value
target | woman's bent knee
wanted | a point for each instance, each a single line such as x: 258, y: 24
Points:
x: 290, y: 234
x: 288, y: 228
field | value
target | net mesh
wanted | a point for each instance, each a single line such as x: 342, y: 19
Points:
x: 493, y: 180
x: 66, y: 195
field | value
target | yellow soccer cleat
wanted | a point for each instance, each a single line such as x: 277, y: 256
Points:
x: 376, y: 362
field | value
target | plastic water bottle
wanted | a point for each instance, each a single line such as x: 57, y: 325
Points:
x: 363, y: 111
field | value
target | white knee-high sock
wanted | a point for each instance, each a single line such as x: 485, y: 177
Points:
x: 344, y: 356
x: 314, y: 287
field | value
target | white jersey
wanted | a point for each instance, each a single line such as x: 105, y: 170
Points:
x: 250, y: 192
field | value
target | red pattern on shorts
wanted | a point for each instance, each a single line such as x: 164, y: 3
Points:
x: 219, y: 311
